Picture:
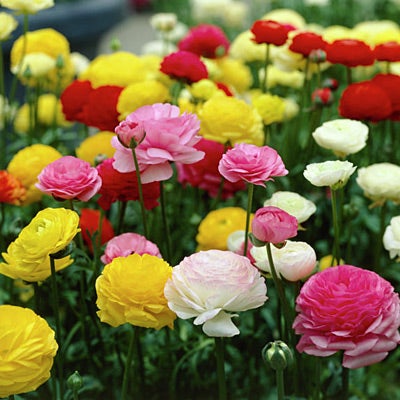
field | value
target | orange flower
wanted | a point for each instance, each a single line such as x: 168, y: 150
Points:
x: 12, y: 190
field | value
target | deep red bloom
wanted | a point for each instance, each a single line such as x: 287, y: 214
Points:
x: 74, y: 98
x: 204, y: 174
x: 389, y: 51
x: 123, y: 186
x: 270, y: 32
x: 12, y: 190
x: 305, y: 42
x: 365, y: 101
x: 390, y: 83
x: 349, y: 52
x: 184, y: 66
x: 205, y: 40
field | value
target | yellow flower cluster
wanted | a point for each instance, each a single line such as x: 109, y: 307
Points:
x: 270, y: 107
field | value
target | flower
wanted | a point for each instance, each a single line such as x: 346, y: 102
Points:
x: 342, y: 136
x: 391, y: 237
x: 121, y: 299
x: 390, y: 83
x: 349, y: 52
x: 7, y: 25
x: 388, y: 51
x: 130, y: 133
x: 69, y: 178
x: 294, y: 261
x: 128, y: 243
x: 27, y: 6
x: 211, y: 285
x: 163, y: 22
x: 12, y: 189
x: 322, y: 97
x: 96, y: 146
x: 28, y: 256
x: 269, y: 32
x: 39, y: 65
x: 270, y: 107
x: 27, y: 350
x: 380, y: 182
x: 273, y: 225
x: 169, y: 137
x: 293, y: 203
x: 334, y: 174
x: 305, y: 42
x: 329, y: 320
x: 252, y: 164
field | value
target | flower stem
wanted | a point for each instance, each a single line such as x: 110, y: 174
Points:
x: 280, y: 384
x: 250, y: 193
x: 219, y: 352
x: 345, y: 383
x: 128, y: 363
x: 264, y: 85
x: 336, y: 227
x: 121, y: 215
x: 165, y: 223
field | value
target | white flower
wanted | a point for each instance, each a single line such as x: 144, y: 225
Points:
x: 292, y: 203
x: 342, y: 136
x: 334, y: 174
x: 7, y: 24
x: 39, y: 65
x: 210, y: 286
x: 391, y: 237
x: 163, y: 22
x: 27, y: 6
x: 294, y: 261
x: 80, y: 62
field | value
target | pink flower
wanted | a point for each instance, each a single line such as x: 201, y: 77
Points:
x: 351, y: 309
x: 69, y: 178
x: 252, y: 164
x: 211, y: 285
x: 169, y: 137
x: 273, y: 225
x: 128, y: 243
x: 128, y: 131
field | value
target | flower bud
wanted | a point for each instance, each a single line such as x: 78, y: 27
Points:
x: 317, y: 56
x: 330, y: 83
x: 322, y: 97
x: 277, y: 355
x: 75, y: 382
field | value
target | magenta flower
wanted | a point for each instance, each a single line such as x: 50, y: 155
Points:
x: 273, y: 225
x: 252, y: 164
x: 69, y: 178
x: 169, y: 136
x: 128, y: 131
x: 351, y: 309
x: 128, y: 243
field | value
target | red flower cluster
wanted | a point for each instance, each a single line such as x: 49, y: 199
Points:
x: 270, y: 32
x: 389, y: 51
x: 305, y: 42
x: 12, y: 190
x: 349, y: 52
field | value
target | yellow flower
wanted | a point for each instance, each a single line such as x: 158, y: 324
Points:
x: 235, y: 73
x: 39, y: 65
x: 225, y: 118
x: 377, y: 32
x: 336, y: 32
x: 279, y: 77
x: 270, y: 107
x: 27, y: 350
x: 245, y: 49
x: 28, y: 256
x: 203, y: 90
x: 131, y: 290
x: 327, y: 261
x: 7, y: 24
x: 215, y: 228
x: 27, y: 6
x: 286, y: 16
x: 96, y: 145
x: 28, y: 163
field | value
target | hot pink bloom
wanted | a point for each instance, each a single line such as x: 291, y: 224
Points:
x: 128, y: 243
x: 69, y: 178
x: 351, y: 309
x: 169, y: 137
x: 273, y: 225
x: 252, y: 164
x: 128, y: 131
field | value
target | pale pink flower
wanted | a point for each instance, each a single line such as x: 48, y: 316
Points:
x: 128, y: 131
x: 69, y: 178
x: 252, y: 164
x: 212, y: 286
x: 128, y: 243
x: 351, y: 309
x: 169, y: 137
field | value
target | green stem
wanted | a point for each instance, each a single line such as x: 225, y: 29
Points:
x: 165, y: 223
x: 121, y: 215
x: 336, y: 227
x: 128, y: 363
x: 219, y: 352
x: 250, y: 193
x: 264, y: 86
x: 379, y: 244
x: 11, y: 397
x: 280, y: 384
x: 345, y: 383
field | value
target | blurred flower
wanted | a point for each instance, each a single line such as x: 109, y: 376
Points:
x: 27, y: 350
x: 234, y: 73
x: 388, y: 51
x: 27, y: 6
x: 391, y: 237
x: 305, y: 42
x: 322, y: 97
x: 245, y: 49
x: 38, y: 64
x: 270, y: 107
x: 286, y: 16
x: 95, y: 146
x: 278, y: 77
x: 269, y: 32
x: 7, y: 25
x: 12, y: 189
x: 294, y: 261
x: 80, y: 62
x: 121, y: 300
x: 390, y: 83
x: 349, y: 52
x: 342, y: 136
x: 128, y: 243
x: 328, y: 261
x: 252, y: 164
x: 213, y: 285
x: 28, y: 256
x: 163, y: 22
x: 366, y: 329
x: 206, y: 10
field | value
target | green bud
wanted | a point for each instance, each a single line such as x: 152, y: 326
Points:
x: 60, y: 62
x: 115, y: 45
x: 75, y: 382
x: 256, y: 242
x: 277, y: 355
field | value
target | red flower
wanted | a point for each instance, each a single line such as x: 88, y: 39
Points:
x: 349, y: 52
x: 205, y: 40
x: 389, y: 51
x: 204, y: 173
x: 365, y: 101
x: 322, y: 97
x: 12, y: 190
x: 74, y: 98
x: 305, y: 42
x: 123, y: 186
x: 184, y: 66
x: 270, y: 32
x: 390, y: 83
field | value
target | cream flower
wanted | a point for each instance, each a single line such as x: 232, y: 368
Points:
x: 7, y: 24
x: 391, y: 237
x: 38, y: 64
x: 27, y: 6
x: 163, y: 22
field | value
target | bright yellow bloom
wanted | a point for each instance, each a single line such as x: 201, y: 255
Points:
x: 28, y: 163
x: 327, y: 261
x: 245, y: 49
x: 279, y: 77
x: 28, y: 256
x: 286, y: 16
x: 131, y: 290
x: 203, y: 89
x: 336, y: 32
x: 96, y: 145
x: 215, y: 228
x: 270, y: 107
x: 7, y: 24
x: 377, y: 32
x: 27, y: 350
x: 27, y: 6
x: 235, y: 73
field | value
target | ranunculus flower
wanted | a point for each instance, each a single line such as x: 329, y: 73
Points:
x: 334, y: 174
x: 69, y: 178
x: 349, y: 52
x: 380, y: 182
x: 170, y: 136
x: 391, y: 237
x: 388, y: 51
x: 390, y: 83
x: 131, y: 290
x: 213, y: 286
x: 27, y: 350
x: 294, y: 261
x: 96, y: 147
x: 128, y: 243
x: 27, y: 6
x: 342, y: 136
x: 305, y: 42
x: 252, y: 164
x: 273, y: 225
x: 28, y: 256
x: 269, y: 32
x: 7, y: 25
x: 130, y: 134
x: 12, y: 189
x: 350, y: 309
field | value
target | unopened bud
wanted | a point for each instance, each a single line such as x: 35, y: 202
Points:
x: 330, y: 83
x: 75, y: 382
x: 317, y: 56
x: 322, y: 97
x: 277, y: 355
